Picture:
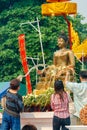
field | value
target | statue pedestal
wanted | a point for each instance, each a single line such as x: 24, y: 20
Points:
x: 43, y: 120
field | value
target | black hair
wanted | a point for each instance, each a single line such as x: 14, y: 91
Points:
x: 14, y: 84
x: 29, y: 127
x: 63, y: 36
x: 59, y: 88
x: 58, y: 85
x: 83, y: 74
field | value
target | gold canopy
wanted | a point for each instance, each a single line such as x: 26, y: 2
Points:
x: 59, y: 8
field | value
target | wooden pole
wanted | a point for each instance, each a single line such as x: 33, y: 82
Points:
x: 69, y: 30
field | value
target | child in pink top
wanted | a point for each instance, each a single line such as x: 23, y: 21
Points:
x: 60, y: 106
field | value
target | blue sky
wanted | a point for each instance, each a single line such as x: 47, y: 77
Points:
x: 81, y: 8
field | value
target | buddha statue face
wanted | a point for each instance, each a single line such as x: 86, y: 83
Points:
x: 62, y: 40
x: 61, y: 43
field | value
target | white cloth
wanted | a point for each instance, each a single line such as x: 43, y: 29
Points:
x: 80, y: 95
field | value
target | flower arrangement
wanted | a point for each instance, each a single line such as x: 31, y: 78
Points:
x: 38, y: 101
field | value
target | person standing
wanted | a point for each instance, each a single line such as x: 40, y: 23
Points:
x: 79, y: 91
x: 60, y: 106
x: 12, y: 108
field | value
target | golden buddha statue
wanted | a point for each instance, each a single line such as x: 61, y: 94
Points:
x: 63, y: 61
x: 63, y: 58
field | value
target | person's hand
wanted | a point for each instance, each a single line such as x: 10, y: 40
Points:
x: 71, y: 68
x: 39, y: 72
x: 20, y: 77
x: 67, y: 73
x: 67, y: 78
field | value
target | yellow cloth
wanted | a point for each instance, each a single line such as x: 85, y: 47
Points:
x: 81, y: 50
x: 59, y: 8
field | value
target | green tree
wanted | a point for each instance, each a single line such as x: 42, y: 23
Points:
x: 10, y: 26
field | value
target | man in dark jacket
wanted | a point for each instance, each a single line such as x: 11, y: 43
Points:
x: 13, y: 107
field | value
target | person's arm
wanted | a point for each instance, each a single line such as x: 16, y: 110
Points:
x: 69, y: 98
x: 67, y: 78
x: 68, y: 84
x: 3, y: 102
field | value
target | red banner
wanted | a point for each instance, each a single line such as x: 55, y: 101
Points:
x: 22, y: 50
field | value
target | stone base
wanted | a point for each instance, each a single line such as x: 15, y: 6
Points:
x: 43, y: 120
